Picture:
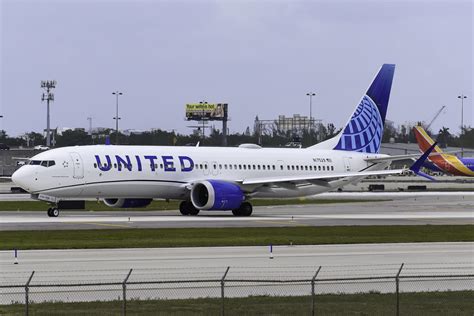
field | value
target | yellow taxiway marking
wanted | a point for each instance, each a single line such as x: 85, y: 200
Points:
x: 101, y: 224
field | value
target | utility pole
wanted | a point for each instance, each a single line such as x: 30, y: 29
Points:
x: 203, y: 119
x: 462, y: 97
x: 116, y: 118
x: 311, y: 95
x: 48, y: 85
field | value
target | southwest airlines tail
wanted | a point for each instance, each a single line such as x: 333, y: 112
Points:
x: 363, y: 132
x: 446, y: 162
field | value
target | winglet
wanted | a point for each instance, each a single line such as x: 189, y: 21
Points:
x: 419, y: 163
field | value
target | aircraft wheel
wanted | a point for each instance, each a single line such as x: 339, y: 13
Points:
x: 192, y: 210
x: 184, y: 208
x: 49, y: 212
x: 54, y: 212
x: 245, y: 209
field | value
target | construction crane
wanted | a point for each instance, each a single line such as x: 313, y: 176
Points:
x: 435, y: 117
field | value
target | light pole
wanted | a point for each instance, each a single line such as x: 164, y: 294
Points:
x: 116, y: 118
x: 1, y: 127
x: 48, y: 96
x: 311, y: 95
x: 462, y: 97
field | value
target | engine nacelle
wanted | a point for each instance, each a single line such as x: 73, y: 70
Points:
x: 127, y: 203
x: 216, y: 195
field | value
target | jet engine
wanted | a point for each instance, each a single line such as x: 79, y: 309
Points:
x: 127, y: 203
x: 216, y: 195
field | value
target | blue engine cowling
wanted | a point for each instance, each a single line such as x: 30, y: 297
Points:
x: 216, y: 195
x: 127, y: 203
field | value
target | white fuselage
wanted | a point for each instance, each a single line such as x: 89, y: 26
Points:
x: 109, y: 171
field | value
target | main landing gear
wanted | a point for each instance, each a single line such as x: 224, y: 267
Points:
x: 245, y: 209
x: 53, y: 212
x: 187, y: 208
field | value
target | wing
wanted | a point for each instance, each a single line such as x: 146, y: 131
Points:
x: 320, y: 179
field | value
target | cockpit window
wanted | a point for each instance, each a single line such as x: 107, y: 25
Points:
x: 44, y: 163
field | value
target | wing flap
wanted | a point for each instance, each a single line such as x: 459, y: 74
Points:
x: 311, y: 178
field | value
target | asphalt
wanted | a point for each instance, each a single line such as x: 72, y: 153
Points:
x: 246, y: 263
x: 441, y: 209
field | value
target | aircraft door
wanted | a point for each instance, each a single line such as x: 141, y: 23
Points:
x: 280, y: 166
x: 347, y: 164
x: 78, y: 167
x: 214, y: 168
x: 207, y: 167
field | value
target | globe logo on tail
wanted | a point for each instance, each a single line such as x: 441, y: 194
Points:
x: 363, y: 133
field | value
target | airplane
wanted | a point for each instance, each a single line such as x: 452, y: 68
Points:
x: 440, y: 161
x: 217, y: 178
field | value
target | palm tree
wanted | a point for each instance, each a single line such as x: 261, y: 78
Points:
x: 443, y: 136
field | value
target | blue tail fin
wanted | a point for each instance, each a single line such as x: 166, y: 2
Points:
x: 363, y: 132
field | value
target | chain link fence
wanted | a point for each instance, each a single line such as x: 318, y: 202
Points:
x: 413, y: 289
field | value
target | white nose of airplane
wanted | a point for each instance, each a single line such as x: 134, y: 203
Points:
x: 22, y: 178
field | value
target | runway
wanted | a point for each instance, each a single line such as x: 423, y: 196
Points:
x: 433, y: 210
x: 69, y: 267
x: 295, y: 261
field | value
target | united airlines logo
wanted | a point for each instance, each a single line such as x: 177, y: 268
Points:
x: 140, y: 163
x: 363, y: 133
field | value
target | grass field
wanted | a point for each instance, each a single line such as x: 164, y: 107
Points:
x: 158, y: 205
x: 234, y: 236
x: 425, y: 303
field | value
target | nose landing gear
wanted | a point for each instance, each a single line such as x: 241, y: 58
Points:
x: 53, y: 212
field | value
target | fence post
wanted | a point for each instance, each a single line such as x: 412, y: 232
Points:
x: 27, y: 291
x: 222, y: 290
x: 124, y: 289
x: 313, y: 294
x: 397, y: 286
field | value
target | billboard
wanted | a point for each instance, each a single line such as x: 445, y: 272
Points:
x: 206, y: 111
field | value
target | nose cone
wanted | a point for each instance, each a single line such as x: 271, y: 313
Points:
x: 21, y: 178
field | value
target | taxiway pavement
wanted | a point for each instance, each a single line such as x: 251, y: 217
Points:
x: 434, y: 210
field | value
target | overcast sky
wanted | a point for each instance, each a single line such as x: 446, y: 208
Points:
x: 261, y: 57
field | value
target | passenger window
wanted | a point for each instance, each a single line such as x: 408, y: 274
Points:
x: 95, y: 165
x: 258, y: 167
x: 115, y: 165
x: 273, y: 167
x: 288, y: 167
x: 220, y: 166
x: 293, y: 167
x: 235, y: 167
x: 319, y: 168
x: 230, y: 167
x: 205, y: 166
x: 254, y: 167
x: 263, y: 167
x: 281, y: 167
x: 215, y: 166
x: 305, y: 167
x: 225, y: 166
x: 297, y: 167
